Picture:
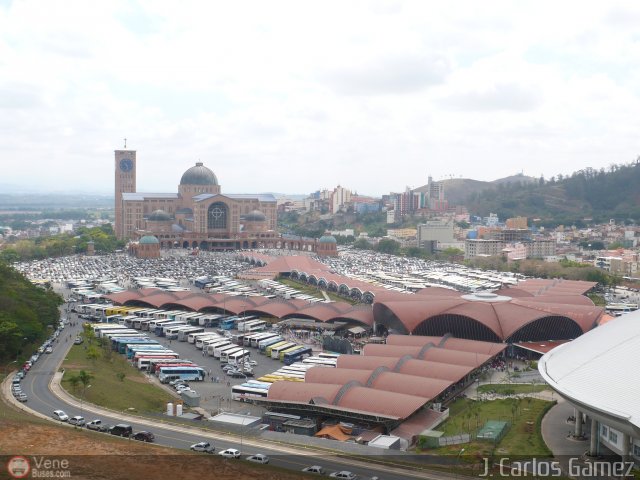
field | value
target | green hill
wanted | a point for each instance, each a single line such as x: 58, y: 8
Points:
x: 26, y: 311
x: 586, y: 194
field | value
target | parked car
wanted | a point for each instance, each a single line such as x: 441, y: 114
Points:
x: 21, y: 397
x: 317, y: 469
x: 78, y: 341
x: 258, y: 458
x: 77, y: 420
x: 143, y: 436
x: 230, y: 453
x: 205, y: 447
x: 60, y: 415
x: 97, y: 425
x: 122, y: 430
x: 48, y: 350
x: 344, y: 474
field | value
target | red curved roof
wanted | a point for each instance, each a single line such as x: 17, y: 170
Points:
x: 336, y: 375
x: 359, y: 315
x: 442, y: 355
x: 301, y: 392
x: 197, y: 303
x: 450, y: 343
x: 123, y: 297
x: 391, y: 404
x: 503, y: 316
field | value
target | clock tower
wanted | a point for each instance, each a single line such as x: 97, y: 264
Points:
x: 125, y: 182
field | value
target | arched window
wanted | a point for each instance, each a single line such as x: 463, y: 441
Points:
x: 217, y: 216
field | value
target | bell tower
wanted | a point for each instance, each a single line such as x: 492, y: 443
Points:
x: 125, y: 182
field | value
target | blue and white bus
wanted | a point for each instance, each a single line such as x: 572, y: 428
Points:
x: 247, y: 391
x: 297, y: 355
x: 263, y: 344
x: 228, y: 323
x: 188, y: 373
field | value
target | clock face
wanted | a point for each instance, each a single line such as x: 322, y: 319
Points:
x: 126, y: 165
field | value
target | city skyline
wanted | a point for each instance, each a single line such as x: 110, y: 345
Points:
x: 290, y: 97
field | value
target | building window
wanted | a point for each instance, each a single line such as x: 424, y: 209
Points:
x: 636, y: 450
x: 217, y: 216
x: 605, y: 431
x: 613, y: 436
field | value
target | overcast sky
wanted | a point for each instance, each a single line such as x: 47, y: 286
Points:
x: 296, y: 96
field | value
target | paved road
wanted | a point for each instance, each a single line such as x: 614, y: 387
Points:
x: 43, y: 400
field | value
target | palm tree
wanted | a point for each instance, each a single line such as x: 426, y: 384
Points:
x: 74, y: 381
x: 84, y: 378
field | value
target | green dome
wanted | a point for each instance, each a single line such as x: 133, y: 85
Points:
x: 149, y: 240
x: 328, y: 239
x: 255, y: 216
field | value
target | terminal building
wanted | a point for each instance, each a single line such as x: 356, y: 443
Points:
x: 595, y: 373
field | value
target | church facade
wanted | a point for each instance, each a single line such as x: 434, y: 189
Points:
x: 198, y: 215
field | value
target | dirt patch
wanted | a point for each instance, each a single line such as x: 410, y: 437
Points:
x: 98, y: 456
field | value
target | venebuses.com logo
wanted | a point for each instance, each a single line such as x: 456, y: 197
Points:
x: 18, y: 467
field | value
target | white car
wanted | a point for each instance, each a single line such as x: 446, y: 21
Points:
x: 317, y: 469
x: 258, y: 458
x: 230, y: 453
x: 48, y: 350
x: 60, y: 415
x: 77, y: 420
x: 344, y: 474
x: 205, y: 447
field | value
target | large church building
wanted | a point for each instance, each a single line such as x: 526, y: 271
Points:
x: 199, y: 215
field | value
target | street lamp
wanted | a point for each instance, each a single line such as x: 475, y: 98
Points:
x: 84, y: 389
x: 457, y: 462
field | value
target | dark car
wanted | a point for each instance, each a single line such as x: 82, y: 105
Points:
x: 121, y: 430
x: 143, y: 436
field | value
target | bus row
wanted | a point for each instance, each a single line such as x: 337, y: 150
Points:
x: 146, y: 353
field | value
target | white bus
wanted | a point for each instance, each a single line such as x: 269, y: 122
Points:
x: 154, y: 363
x: 255, y: 341
x: 200, y: 340
x: 218, y: 351
x: 189, y: 373
x: 143, y: 362
x: 242, y: 321
x: 224, y: 354
x: 162, y: 330
x: 324, y: 362
x: 172, y: 332
x: 252, y: 326
x: 237, y: 358
x: 275, y: 352
x: 211, y: 347
x: 155, y: 322
x: 183, y: 335
x: 245, y: 391
x: 195, y: 336
x: 246, y: 339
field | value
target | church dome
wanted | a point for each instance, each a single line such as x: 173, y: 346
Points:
x: 255, y: 216
x: 159, y: 216
x: 149, y: 240
x: 199, y: 175
x: 328, y: 239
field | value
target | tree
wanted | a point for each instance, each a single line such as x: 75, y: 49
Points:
x: 74, y: 381
x: 84, y: 378
x: 120, y: 376
x: 386, y: 245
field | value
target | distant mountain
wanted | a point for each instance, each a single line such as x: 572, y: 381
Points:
x: 458, y: 189
x: 596, y: 194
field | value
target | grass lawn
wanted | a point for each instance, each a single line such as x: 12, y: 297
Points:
x: 133, y: 391
x: 512, y: 388
x: 523, y: 436
x: 313, y: 291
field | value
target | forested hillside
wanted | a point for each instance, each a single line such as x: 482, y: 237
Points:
x: 588, y: 193
x: 26, y: 311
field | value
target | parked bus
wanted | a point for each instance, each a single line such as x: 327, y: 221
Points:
x: 194, y: 336
x: 200, y: 340
x: 296, y: 355
x: 172, y: 332
x: 237, y: 358
x: 179, y: 363
x: 238, y: 338
x: 247, y: 391
x: 224, y: 355
x: 263, y: 344
x: 211, y: 347
x: 246, y: 341
x: 228, y: 323
x: 161, y: 330
x: 268, y: 349
x: 144, y: 361
x: 276, y: 351
x: 154, y: 362
x: 120, y: 344
x: 324, y: 362
x: 329, y: 355
x: 256, y: 326
x: 155, y: 322
x: 153, y: 354
x: 183, y: 335
x: 255, y: 341
x: 218, y: 351
x: 132, y: 350
x: 191, y: 373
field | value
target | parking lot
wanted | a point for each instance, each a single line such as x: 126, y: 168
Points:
x: 216, y: 396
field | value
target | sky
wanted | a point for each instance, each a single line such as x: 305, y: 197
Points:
x: 296, y: 96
